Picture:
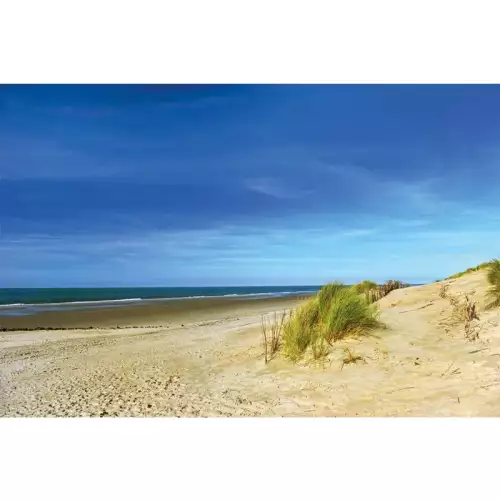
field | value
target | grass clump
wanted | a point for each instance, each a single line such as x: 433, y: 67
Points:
x: 319, y: 348
x: 493, y: 277
x: 301, y: 329
x: 335, y: 312
x: 271, y: 335
x: 344, y: 312
x: 367, y: 288
x: 365, y: 285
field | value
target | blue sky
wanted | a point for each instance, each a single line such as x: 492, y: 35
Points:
x: 246, y: 185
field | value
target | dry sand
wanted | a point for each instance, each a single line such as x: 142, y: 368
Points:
x: 419, y: 366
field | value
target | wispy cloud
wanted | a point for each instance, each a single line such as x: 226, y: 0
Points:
x: 421, y: 195
x: 274, y: 188
x: 411, y: 222
x: 360, y: 232
x: 170, y: 182
x: 255, y: 253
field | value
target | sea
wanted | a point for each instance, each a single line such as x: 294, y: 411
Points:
x: 21, y: 301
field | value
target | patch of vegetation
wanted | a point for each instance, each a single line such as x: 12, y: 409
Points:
x: 493, y: 277
x: 335, y: 312
x: 301, y: 329
x: 375, y: 294
x: 483, y: 265
x: 319, y: 348
x: 465, y: 312
x: 365, y: 285
x: 443, y: 290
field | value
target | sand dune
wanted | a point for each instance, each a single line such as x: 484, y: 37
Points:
x: 421, y: 365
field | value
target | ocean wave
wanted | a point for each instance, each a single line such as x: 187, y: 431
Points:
x: 79, y: 302
x: 154, y: 299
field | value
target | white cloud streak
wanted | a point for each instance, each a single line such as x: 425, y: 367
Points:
x: 274, y: 188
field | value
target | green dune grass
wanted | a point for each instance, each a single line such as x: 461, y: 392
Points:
x: 493, y: 277
x: 335, y: 312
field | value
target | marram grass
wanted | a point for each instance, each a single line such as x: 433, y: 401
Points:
x: 335, y: 312
x: 365, y: 286
x: 493, y: 276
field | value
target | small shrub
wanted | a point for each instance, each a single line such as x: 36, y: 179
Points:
x: 493, y: 277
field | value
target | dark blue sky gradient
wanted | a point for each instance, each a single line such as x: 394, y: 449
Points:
x: 236, y: 185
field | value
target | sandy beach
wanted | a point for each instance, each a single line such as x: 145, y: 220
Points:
x: 206, y: 359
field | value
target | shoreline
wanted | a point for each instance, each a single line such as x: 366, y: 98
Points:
x: 118, y: 302
x: 147, y: 313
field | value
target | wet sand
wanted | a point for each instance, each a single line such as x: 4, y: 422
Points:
x: 141, y: 313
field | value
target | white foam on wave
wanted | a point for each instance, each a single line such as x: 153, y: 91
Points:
x: 137, y: 299
x: 80, y: 302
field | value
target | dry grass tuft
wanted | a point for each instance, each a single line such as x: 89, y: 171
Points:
x: 350, y: 358
x: 465, y: 312
x: 443, y: 290
x: 272, y: 332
